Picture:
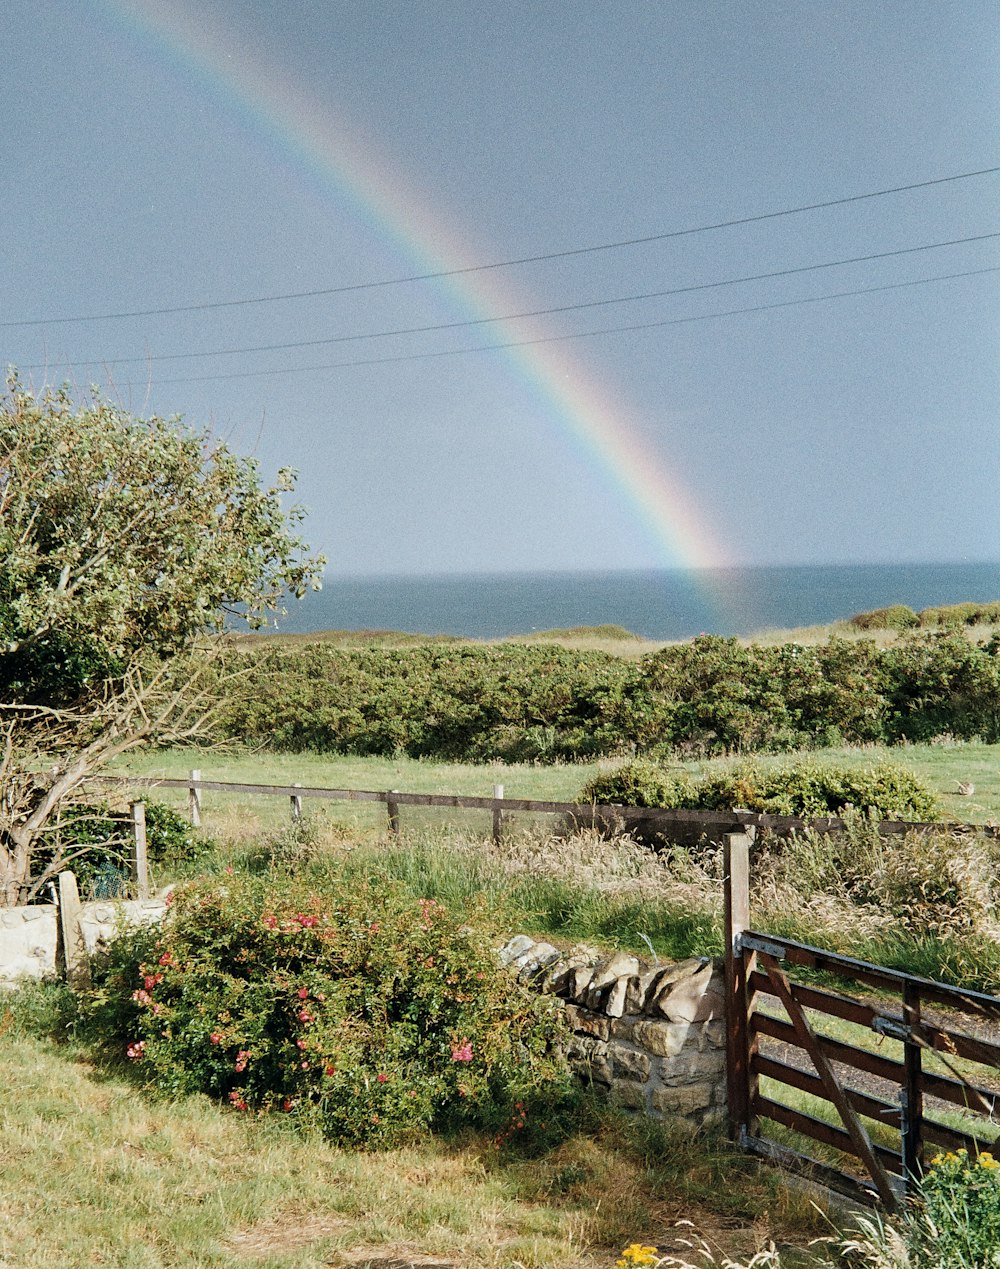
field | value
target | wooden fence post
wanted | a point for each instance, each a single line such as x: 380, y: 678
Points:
x: 393, y: 808
x: 296, y: 801
x: 497, y: 816
x: 736, y: 880
x: 140, y: 860
x: 194, y: 800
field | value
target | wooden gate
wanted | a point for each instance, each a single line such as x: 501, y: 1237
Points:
x: 881, y: 1069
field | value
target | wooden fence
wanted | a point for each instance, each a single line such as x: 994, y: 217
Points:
x: 583, y: 814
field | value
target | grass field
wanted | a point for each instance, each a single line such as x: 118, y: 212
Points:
x: 943, y: 766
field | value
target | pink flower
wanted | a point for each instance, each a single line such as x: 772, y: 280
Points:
x: 462, y: 1052
x: 242, y: 1058
x: 382, y: 1077
x: 135, y: 1050
x: 215, y: 1038
x: 303, y: 993
x: 305, y: 1015
x: 237, y: 1099
x: 301, y: 1044
x: 141, y: 997
x: 271, y: 922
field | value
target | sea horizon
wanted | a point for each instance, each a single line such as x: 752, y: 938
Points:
x: 668, y: 603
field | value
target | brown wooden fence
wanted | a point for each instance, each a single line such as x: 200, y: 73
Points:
x: 584, y: 814
x: 906, y: 1069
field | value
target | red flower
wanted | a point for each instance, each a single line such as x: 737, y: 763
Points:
x: 215, y: 1038
x: 382, y: 1077
x: 462, y: 1052
x: 303, y: 993
x: 330, y: 1070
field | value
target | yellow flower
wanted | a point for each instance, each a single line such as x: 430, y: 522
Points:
x: 986, y: 1160
x: 636, y: 1254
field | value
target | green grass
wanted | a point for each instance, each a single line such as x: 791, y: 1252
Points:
x: 98, y: 1173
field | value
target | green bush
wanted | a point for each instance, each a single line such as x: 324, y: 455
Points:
x: 894, y: 617
x: 884, y: 791
x: 639, y: 783
x: 543, y: 703
x: 371, y: 1017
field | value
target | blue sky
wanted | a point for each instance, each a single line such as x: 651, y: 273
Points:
x: 143, y: 172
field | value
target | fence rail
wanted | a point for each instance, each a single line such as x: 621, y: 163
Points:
x: 585, y: 814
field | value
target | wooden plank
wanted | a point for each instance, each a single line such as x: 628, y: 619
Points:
x: 858, y: 1189
x: 942, y: 1039
x: 970, y: 1097
x: 951, y: 1138
x: 974, y: 1002
x: 140, y: 857
x: 912, y: 1095
x: 855, y: 1129
x: 882, y: 1112
x: 837, y: 1138
x: 846, y: 1054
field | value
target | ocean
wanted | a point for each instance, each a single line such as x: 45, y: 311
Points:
x: 657, y: 604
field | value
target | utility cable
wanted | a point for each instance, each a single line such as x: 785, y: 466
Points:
x: 511, y: 317
x: 505, y: 264
x: 583, y: 334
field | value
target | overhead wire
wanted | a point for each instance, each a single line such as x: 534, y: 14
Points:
x: 509, y: 317
x: 586, y: 334
x: 504, y: 264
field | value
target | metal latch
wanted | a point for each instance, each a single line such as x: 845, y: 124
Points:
x: 894, y: 1029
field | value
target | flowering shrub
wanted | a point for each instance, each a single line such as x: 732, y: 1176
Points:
x: 959, y: 1216
x: 369, y: 1017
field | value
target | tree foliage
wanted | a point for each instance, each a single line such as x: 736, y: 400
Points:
x: 122, y: 542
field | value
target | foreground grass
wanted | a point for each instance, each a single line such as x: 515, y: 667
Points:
x: 95, y: 1173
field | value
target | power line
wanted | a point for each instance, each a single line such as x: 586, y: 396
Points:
x: 505, y: 264
x: 585, y: 334
x: 510, y: 317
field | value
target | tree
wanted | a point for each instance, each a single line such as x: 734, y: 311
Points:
x: 124, y: 543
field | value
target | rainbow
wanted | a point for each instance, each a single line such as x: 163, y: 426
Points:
x: 273, y: 104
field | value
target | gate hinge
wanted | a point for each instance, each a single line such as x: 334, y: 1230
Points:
x: 751, y: 943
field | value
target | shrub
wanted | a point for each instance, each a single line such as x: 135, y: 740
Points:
x: 371, y: 1017
x: 883, y: 791
x: 894, y: 617
x: 639, y: 783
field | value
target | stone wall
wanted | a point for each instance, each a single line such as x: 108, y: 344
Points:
x: 29, y: 937
x: 654, y: 1036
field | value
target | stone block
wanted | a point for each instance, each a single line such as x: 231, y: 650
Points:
x: 693, y: 1064
x: 629, y: 1094
x: 582, y: 1020
x: 509, y: 953
x: 664, y: 1039
x: 629, y: 1064
x: 689, y: 1099
x: 614, y: 1006
x: 580, y: 983
x: 620, y: 965
x: 681, y: 1001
